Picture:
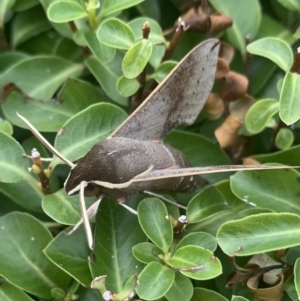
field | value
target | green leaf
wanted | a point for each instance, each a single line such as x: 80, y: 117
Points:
x: 158, y: 52
x: 153, y: 218
x: 259, y: 115
x: 22, y: 5
x: 290, y: 4
x: 259, y: 234
x: 63, y: 208
x: 297, y: 276
x: 85, y: 129
x: 39, y: 77
x: 275, y: 190
x: 154, y: 281
x: 206, y: 204
x: 127, y: 87
x: 9, y: 292
x: 200, y: 239
x: 156, y: 35
x: 284, y: 138
x: 6, y: 5
x: 13, y: 166
x: 181, y: 289
x: 117, y: 232
x: 146, y: 252
x: 238, y: 298
x: 246, y: 20
x: 196, y: 263
x: 136, y: 58
x: 50, y: 116
x: 163, y: 70
x: 102, y: 52
x: 107, y: 74
x: 6, y: 127
x: 274, y: 49
x: 289, y: 101
x: 205, y: 294
x: 23, y: 263
x: 70, y: 253
x: 113, y: 6
x: 115, y: 34
x: 63, y: 11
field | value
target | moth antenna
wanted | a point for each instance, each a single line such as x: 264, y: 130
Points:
x: 165, y: 199
x: 37, y: 134
x: 85, y: 218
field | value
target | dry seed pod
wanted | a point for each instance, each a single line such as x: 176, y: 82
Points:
x: 222, y: 68
x: 226, y: 52
x: 214, y: 107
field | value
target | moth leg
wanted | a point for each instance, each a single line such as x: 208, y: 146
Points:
x: 121, y: 202
x: 164, y: 199
x: 85, y: 218
x: 91, y: 212
x: 42, y: 159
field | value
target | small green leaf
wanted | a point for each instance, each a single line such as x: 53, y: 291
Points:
x: 238, y: 298
x: 276, y: 231
x: 153, y: 218
x: 23, y: 263
x: 196, y: 263
x: 154, y: 281
x: 146, y: 252
x: 293, y: 5
x: 163, y: 70
x: 65, y: 11
x: 260, y: 114
x: 289, y: 101
x: 206, y: 204
x: 297, y: 276
x: 102, y: 52
x: 157, y: 55
x: 113, y: 6
x: 274, y: 49
x: 127, y: 87
x: 115, y: 34
x: 9, y: 292
x: 181, y: 289
x: 205, y: 294
x: 136, y: 58
x: 200, y: 239
x: 284, y: 138
x: 13, y: 166
x: 6, y: 127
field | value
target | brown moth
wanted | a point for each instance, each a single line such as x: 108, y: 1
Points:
x: 133, y: 158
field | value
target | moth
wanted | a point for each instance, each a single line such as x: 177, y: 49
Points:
x: 133, y: 158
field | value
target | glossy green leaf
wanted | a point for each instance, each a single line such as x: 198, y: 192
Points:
x: 158, y: 52
x: 154, y: 281
x: 181, y: 289
x: 136, y: 59
x: 13, y: 166
x: 10, y: 58
x: 196, y: 263
x: 87, y: 128
x: 284, y: 138
x: 6, y: 127
x: 23, y: 239
x: 50, y: 116
x: 70, y: 253
x: 146, y: 252
x: 163, y: 70
x: 297, y: 276
x: 39, y: 77
x: 246, y: 20
x: 156, y: 35
x: 117, y: 231
x: 260, y: 113
x: 65, y: 11
x: 9, y: 292
x: 127, y: 87
x: 259, y: 234
x: 201, y: 293
x: 153, y: 218
x: 5, y: 6
x: 289, y: 101
x: 205, y: 204
x: 113, y: 6
x: 115, y: 34
x: 102, y: 52
x: 200, y: 151
x: 63, y: 208
x: 274, y: 49
x: 22, y: 5
x: 200, y: 239
x: 290, y: 4
x: 252, y: 211
x: 238, y: 298
x: 28, y: 24
x: 276, y: 190
x: 107, y: 75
